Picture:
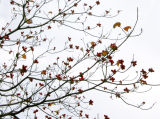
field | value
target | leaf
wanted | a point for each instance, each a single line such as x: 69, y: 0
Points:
x: 30, y: 79
x: 106, y: 117
x: 24, y: 56
x: 134, y: 63
x: 57, y: 111
x: 118, y: 63
x: 31, y: 1
x: 107, y: 12
x: 50, y: 104
x: 29, y: 37
x: 151, y: 70
x: 99, y: 24
x: 91, y: 102
x: 112, y: 79
x: 127, y: 28
x: 143, y: 82
x: 50, y: 12
x: 35, y: 61
x: 126, y: 90
x: 43, y: 72
x: 104, y: 53
x: 117, y: 24
x: 81, y: 49
x: 29, y: 21
x: 93, y: 44
x: 97, y: 2
x: 11, y: 101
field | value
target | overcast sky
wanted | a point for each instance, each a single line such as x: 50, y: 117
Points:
x: 145, y: 49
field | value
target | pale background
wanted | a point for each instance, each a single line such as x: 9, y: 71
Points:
x: 145, y: 49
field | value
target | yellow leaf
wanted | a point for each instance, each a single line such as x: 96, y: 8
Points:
x: 92, y: 43
x: 81, y: 49
x: 118, y: 63
x: 50, y: 104
x: 127, y: 28
x: 57, y: 111
x: 29, y: 37
x: 117, y: 24
x: 104, y: 53
x: 11, y: 101
x: 24, y: 56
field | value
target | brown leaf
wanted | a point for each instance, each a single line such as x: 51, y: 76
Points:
x: 29, y: 37
x: 31, y: 1
x: 29, y: 21
x: 50, y: 104
x: 104, y: 53
x: 127, y: 28
x: 97, y: 2
x: 24, y: 56
x: 117, y: 24
x: 43, y: 72
x: 93, y: 43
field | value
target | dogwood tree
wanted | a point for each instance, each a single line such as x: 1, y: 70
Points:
x: 54, y: 51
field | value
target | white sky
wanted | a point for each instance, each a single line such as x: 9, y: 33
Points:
x: 145, y: 49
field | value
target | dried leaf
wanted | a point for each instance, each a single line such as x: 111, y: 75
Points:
x: 92, y: 43
x: 29, y: 21
x: 127, y: 28
x: 29, y: 37
x: 104, y: 53
x: 50, y: 12
x: 43, y: 72
x: 50, y: 104
x: 31, y: 1
x: 24, y: 56
x: 117, y: 24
